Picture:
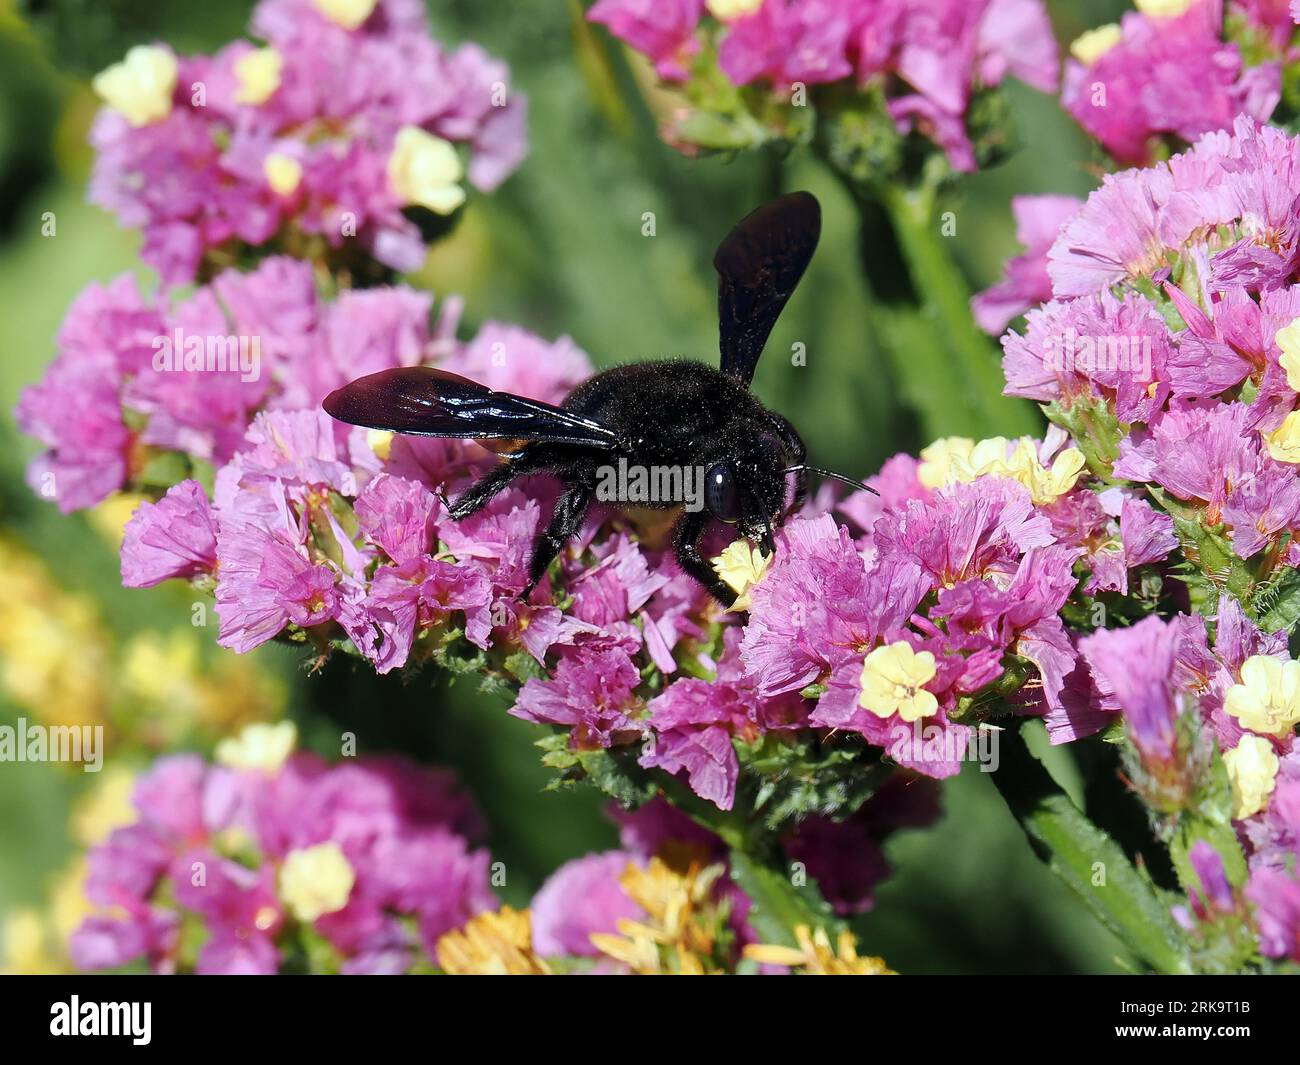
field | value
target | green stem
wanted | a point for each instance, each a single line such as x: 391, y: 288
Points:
x: 964, y: 369
x: 758, y: 866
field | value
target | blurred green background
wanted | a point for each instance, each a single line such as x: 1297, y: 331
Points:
x: 559, y: 250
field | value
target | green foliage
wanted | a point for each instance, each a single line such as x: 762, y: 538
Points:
x: 809, y: 777
x: 1090, y: 863
x: 780, y: 906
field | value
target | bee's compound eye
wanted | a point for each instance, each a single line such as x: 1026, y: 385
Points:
x: 721, y: 495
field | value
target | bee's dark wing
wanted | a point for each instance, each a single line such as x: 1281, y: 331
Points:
x: 422, y: 401
x: 759, y: 264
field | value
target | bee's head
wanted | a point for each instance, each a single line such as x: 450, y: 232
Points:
x: 745, y: 485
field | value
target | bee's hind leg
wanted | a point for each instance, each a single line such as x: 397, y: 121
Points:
x: 570, y: 509
x: 496, y: 480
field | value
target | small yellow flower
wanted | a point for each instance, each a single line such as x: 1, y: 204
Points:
x: 259, y: 747
x: 959, y: 460
x: 1163, y: 8
x: 1288, y: 339
x: 161, y: 668
x: 1283, y: 443
x: 283, y: 173
x: 426, y: 170
x: 69, y: 905
x: 741, y: 566
x: 936, y: 469
x: 817, y: 957
x: 729, y: 10
x: 381, y: 442
x: 1090, y: 46
x: 110, y: 517
x: 140, y: 87
x: 1252, y: 767
x: 893, y: 680
x: 1045, y: 485
x: 492, y: 944
x: 679, y: 933
x: 316, y: 880
x: 258, y: 74
x: 347, y: 13
x: 27, y: 947
x: 1267, y: 700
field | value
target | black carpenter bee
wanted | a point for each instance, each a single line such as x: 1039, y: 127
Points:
x: 667, y: 414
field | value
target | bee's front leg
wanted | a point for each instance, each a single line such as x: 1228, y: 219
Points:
x: 686, y: 543
x: 570, y: 509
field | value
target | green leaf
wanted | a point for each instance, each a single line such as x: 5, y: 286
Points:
x: 616, y: 773
x: 972, y: 381
x: 778, y: 905
x: 1090, y: 862
x: 807, y: 777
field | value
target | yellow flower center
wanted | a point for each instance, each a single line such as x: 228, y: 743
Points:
x: 381, y: 443
x: 741, y: 566
x: 1163, y: 8
x: 1288, y: 339
x: 730, y: 10
x: 959, y: 460
x: 1090, y: 46
x: 259, y: 747
x: 283, y: 173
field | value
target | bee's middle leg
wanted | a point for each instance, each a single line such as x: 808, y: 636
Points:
x: 496, y: 480
x: 570, y: 509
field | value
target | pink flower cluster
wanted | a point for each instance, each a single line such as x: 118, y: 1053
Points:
x: 1170, y: 346
x: 137, y: 376
x: 211, y: 847
x: 1170, y: 684
x: 294, y: 140
x: 1173, y: 290
x: 931, y: 56
x: 1129, y: 85
x: 584, y: 897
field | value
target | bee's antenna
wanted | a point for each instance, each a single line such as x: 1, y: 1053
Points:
x: 860, y: 485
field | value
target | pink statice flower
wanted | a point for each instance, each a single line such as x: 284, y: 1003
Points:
x: 1038, y: 221
x: 1137, y: 665
x: 580, y: 898
x: 353, y: 851
x: 175, y: 537
x: 929, y: 57
x: 1133, y: 88
x: 592, y: 692
x: 325, y: 130
x: 664, y: 30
